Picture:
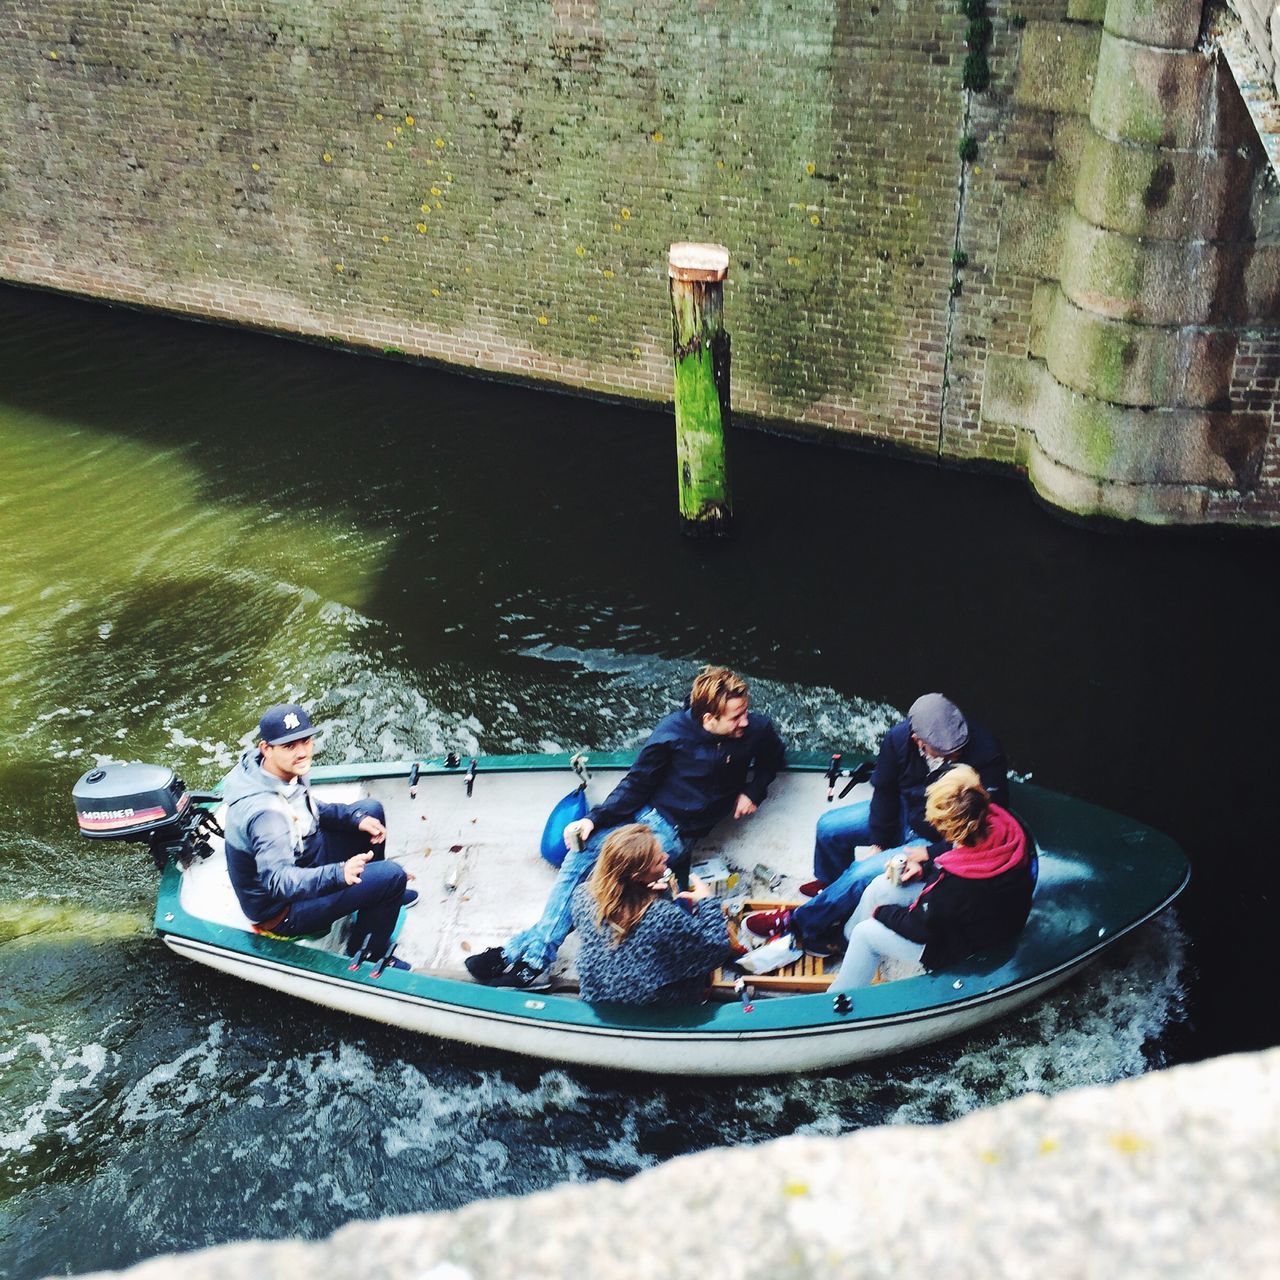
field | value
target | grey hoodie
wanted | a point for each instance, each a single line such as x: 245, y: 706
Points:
x: 266, y: 866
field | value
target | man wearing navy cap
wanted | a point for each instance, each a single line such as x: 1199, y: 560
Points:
x: 298, y: 864
x: 916, y: 751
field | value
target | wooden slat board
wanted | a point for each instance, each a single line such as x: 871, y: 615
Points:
x: 806, y: 975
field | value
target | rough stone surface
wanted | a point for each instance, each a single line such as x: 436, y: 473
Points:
x: 1057, y: 67
x: 1176, y: 1173
x: 1168, y: 282
x: 1170, y: 24
x: 1162, y: 193
x: 1119, y: 445
x: 1139, y: 365
x: 1152, y: 95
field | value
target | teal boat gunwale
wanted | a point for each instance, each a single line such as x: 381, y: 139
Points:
x: 979, y: 980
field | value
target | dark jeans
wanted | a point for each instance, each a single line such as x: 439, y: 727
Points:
x: 375, y: 900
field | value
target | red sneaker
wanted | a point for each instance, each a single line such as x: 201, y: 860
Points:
x: 769, y: 924
x: 811, y: 888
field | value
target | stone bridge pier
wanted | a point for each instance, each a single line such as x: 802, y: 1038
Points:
x: 1150, y: 390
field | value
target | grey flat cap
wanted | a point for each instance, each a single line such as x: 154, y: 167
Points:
x: 939, y: 722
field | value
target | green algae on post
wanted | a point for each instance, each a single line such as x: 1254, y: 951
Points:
x: 701, y: 350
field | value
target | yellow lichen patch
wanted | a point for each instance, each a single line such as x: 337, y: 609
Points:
x: 608, y: 275
x: 408, y: 120
x: 1128, y: 1144
x: 626, y: 213
x: 440, y: 144
x: 543, y: 320
x: 1048, y: 1146
x: 989, y: 1157
x: 327, y: 158
x: 810, y: 168
x: 793, y: 1189
x: 581, y: 250
x: 422, y: 228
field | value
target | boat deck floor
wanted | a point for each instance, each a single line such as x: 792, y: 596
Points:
x: 480, y: 876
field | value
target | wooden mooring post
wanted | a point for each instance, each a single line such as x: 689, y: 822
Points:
x: 701, y: 349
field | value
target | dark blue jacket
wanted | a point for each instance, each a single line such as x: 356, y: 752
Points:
x: 269, y: 866
x: 692, y: 777
x: 901, y: 775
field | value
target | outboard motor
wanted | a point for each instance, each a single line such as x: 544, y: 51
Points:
x: 146, y: 804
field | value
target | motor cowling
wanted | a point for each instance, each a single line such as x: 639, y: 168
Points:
x: 146, y: 803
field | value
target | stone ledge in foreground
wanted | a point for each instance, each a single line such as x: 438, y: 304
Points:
x: 1176, y: 1173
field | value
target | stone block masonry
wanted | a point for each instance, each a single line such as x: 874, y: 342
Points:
x: 1176, y: 1173
x: 495, y: 186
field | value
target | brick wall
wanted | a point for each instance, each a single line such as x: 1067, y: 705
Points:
x: 495, y: 186
x: 1256, y: 388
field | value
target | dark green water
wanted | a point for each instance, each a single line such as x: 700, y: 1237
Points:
x: 194, y: 522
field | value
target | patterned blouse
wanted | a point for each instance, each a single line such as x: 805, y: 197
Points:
x: 665, y: 959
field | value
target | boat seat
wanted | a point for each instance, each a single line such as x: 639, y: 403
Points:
x: 800, y: 977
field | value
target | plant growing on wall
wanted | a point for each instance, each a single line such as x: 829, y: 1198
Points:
x: 976, y: 75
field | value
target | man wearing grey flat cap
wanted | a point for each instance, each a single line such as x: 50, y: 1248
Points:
x: 296, y: 863
x: 916, y: 751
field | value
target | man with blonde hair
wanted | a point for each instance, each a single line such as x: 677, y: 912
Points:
x: 708, y: 761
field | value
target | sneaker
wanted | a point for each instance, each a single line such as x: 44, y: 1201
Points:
x: 487, y: 966
x: 811, y: 888
x: 832, y: 943
x: 410, y: 899
x: 527, y: 978
x: 396, y: 963
x: 769, y: 924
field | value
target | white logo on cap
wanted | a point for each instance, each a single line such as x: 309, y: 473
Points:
x: 291, y: 721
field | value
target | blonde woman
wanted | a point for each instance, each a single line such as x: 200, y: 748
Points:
x: 977, y: 885
x: 639, y: 945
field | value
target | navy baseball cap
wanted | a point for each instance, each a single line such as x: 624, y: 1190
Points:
x: 285, y: 722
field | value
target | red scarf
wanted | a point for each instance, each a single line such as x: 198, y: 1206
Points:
x: 1001, y: 849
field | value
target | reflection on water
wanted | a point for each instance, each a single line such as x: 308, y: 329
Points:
x: 195, y: 522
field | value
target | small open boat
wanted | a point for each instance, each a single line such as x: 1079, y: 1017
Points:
x: 470, y: 832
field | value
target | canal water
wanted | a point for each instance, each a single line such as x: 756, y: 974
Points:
x: 195, y: 522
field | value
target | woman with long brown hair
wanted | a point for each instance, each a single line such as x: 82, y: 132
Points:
x: 638, y: 944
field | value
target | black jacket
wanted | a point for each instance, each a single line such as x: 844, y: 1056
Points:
x: 901, y: 774
x: 955, y: 916
x: 692, y: 777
